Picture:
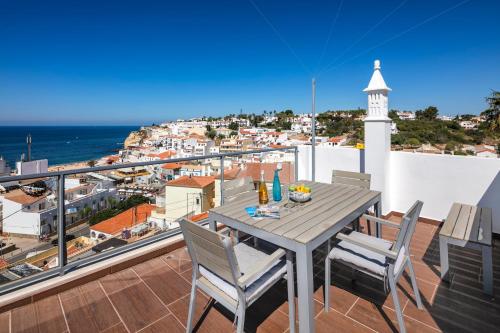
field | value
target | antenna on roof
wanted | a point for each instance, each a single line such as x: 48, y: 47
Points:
x: 28, y: 141
x: 313, y: 130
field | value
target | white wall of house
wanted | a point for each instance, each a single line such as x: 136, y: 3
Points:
x: 29, y: 220
x: 181, y: 201
x: 32, y: 167
x: 437, y: 180
x: 17, y: 221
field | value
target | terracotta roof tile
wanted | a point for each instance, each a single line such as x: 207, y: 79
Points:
x: 125, y: 219
x: 167, y: 166
x: 230, y: 173
x: 253, y: 170
x: 193, y: 181
x: 199, y: 217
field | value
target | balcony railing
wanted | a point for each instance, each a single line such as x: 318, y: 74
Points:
x: 63, y: 265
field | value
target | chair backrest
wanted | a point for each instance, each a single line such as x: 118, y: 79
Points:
x: 213, y: 251
x: 351, y: 178
x: 237, y: 186
x: 408, y: 224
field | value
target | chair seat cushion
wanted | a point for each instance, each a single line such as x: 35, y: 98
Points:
x: 247, y: 257
x: 363, y: 258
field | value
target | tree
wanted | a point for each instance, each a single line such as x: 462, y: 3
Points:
x: 87, y: 211
x: 233, y: 133
x: 393, y: 114
x: 451, y: 146
x: 233, y: 126
x: 208, y: 127
x: 211, y: 134
x: 413, y: 142
x: 492, y: 114
x: 221, y: 136
x: 112, y: 202
x: 91, y: 163
x: 430, y: 113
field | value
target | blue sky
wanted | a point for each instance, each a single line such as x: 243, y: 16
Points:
x: 137, y: 62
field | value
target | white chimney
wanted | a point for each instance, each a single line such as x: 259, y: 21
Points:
x: 378, y: 135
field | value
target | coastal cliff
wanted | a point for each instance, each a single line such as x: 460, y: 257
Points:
x: 133, y: 138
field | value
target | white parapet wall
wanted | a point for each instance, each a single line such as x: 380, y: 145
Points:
x: 437, y: 180
x: 440, y: 180
x: 327, y: 159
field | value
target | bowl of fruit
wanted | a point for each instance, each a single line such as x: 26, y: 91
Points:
x: 299, y: 193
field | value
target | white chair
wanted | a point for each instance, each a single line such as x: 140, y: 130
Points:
x: 379, y: 258
x: 234, y: 275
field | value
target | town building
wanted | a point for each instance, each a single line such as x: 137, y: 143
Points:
x: 126, y: 220
x: 188, y: 195
x: 31, y: 210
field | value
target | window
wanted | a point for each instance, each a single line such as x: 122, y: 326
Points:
x: 197, y: 201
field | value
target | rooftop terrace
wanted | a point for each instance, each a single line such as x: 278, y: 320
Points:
x: 153, y: 296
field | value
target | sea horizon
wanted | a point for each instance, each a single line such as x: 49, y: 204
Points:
x: 62, y: 144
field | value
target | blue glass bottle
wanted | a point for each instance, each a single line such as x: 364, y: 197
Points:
x: 277, y: 185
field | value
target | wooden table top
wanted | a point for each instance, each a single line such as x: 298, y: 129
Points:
x: 330, y: 204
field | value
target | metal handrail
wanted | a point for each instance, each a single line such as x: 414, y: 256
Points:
x: 137, y: 164
x: 64, y: 266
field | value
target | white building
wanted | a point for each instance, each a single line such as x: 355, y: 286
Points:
x: 406, y: 115
x: 467, y: 124
x: 4, y: 168
x: 31, y: 212
x: 196, y: 170
x: 186, y: 196
x: 32, y: 167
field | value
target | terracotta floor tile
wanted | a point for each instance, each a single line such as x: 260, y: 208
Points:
x: 167, y: 324
x: 49, y: 315
x: 89, y: 311
x: 137, y: 306
x: 187, y: 275
x: 179, y: 260
x: 5, y: 322
x: 365, y: 287
x: 140, y: 294
x: 426, y: 272
x: 327, y: 321
x: 383, y: 319
x: 119, y: 280
x: 24, y: 319
x: 84, y: 288
x: 166, y: 283
x: 120, y: 328
x: 340, y: 299
x: 207, y: 318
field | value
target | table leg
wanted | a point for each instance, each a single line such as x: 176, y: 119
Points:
x: 305, y: 289
x: 378, y: 213
x: 443, y: 257
x: 487, y: 270
x: 212, y: 224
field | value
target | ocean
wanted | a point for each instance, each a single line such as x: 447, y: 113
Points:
x: 62, y: 144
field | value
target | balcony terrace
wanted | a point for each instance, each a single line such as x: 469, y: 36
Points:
x: 153, y: 296
x: 145, y: 285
